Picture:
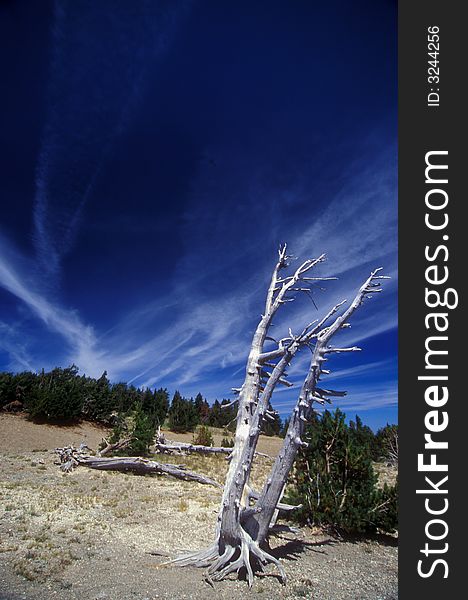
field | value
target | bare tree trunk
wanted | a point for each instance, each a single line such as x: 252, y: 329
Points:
x: 182, y: 447
x: 136, y: 464
x: 243, y: 528
x: 71, y: 457
x: 259, y: 521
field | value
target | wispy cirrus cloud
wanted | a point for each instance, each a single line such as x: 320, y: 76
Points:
x: 196, y: 336
x: 23, y: 283
x: 101, y: 61
x: 163, y: 189
x: 12, y: 342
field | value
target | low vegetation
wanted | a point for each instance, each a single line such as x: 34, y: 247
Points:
x: 54, y: 527
x: 335, y: 482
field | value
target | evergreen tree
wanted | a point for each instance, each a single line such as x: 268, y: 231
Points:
x: 227, y: 415
x: 203, y: 408
x: 203, y: 436
x: 284, y: 428
x: 148, y: 404
x: 182, y: 414
x: 58, y: 395
x: 362, y: 434
x: 161, y: 405
x: 335, y: 481
x: 98, y: 402
x: 272, y: 425
x: 214, y: 417
x: 193, y: 418
x: 386, y: 444
x: 122, y: 400
x: 7, y: 389
x: 143, y: 432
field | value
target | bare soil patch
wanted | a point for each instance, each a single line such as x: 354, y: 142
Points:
x: 90, y: 535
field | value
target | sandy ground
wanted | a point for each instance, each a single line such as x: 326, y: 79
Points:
x: 18, y: 434
x: 90, y: 535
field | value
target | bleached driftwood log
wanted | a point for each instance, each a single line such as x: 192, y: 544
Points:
x: 143, y: 466
x: 246, y: 516
x: 71, y: 458
x: 167, y: 446
x: 182, y: 447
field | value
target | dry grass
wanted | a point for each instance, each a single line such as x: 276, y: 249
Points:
x: 60, y: 528
x: 18, y: 435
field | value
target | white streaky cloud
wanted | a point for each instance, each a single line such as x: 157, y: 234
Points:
x: 218, y: 339
x: 88, y: 108
x: 383, y: 367
x: 359, y: 399
x: 171, y: 351
x: 79, y: 337
x: 359, y: 225
x: 211, y: 326
x: 188, y: 336
x: 12, y: 342
x: 368, y: 400
x: 201, y: 338
x: 380, y: 366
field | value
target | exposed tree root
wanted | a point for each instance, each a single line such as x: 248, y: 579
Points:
x: 247, y: 555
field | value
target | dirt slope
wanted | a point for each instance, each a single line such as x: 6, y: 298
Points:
x: 88, y: 535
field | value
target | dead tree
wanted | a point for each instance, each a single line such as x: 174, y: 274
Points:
x: 71, y: 457
x: 246, y: 515
x: 391, y: 445
x: 165, y: 446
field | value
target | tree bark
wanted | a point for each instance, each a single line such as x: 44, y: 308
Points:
x: 142, y: 466
x: 243, y: 528
x: 259, y: 522
x: 71, y: 457
x: 181, y: 447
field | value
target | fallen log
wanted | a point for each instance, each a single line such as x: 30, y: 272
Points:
x: 143, y: 466
x: 180, y: 447
x: 172, y: 447
x: 71, y: 457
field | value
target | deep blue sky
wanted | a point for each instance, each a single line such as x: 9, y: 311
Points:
x: 153, y: 157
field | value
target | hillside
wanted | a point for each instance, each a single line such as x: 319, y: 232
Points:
x: 17, y: 433
x: 88, y: 535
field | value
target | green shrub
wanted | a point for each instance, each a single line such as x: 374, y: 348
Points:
x: 143, y: 432
x: 203, y: 436
x: 335, y: 482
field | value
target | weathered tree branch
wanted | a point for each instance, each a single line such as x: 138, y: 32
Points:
x: 71, y: 457
x: 259, y: 522
x: 243, y: 527
x: 182, y: 447
x: 120, y: 445
x: 143, y: 466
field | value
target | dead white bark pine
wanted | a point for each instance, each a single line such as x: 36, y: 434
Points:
x: 71, y: 457
x: 245, y: 515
